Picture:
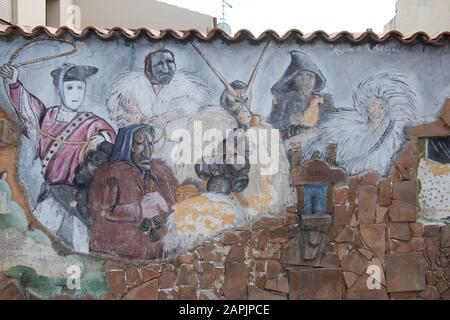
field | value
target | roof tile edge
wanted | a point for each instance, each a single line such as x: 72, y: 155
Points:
x: 435, y: 39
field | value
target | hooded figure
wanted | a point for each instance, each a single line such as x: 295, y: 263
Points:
x: 131, y: 198
x: 298, y: 103
x: 62, y: 136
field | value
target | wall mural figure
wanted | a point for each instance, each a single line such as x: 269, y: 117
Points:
x: 218, y: 208
x: 369, y: 135
x: 298, y: 104
x: 159, y: 95
x: 131, y: 198
x: 62, y: 137
x: 233, y: 113
x: 5, y: 193
x: 126, y: 196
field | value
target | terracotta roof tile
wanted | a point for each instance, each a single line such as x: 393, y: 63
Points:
x: 434, y: 39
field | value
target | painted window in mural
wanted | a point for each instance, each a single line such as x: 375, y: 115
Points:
x: 156, y: 146
x: 434, y: 176
x: 438, y: 149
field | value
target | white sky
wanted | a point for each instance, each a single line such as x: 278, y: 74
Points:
x: 305, y: 15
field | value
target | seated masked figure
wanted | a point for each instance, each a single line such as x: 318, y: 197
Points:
x: 263, y: 194
x: 131, y: 198
x: 232, y: 195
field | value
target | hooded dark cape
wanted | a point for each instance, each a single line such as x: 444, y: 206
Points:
x: 299, y: 62
x: 124, y: 142
x: 289, y: 101
x: 122, y: 147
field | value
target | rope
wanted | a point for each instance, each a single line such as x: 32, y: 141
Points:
x: 37, y: 60
x: 47, y: 58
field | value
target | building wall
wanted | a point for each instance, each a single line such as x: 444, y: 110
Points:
x: 29, y: 12
x: 141, y: 13
x: 6, y: 12
x: 431, y: 16
x: 340, y: 207
x: 103, y: 14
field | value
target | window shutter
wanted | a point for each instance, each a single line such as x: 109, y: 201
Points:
x: 6, y: 10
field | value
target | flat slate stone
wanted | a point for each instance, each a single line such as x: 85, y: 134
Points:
x: 405, y: 272
x: 315, y: 283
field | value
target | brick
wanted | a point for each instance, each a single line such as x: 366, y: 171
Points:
x: 396, y: 246
x: 368, y: 179
x: 350, y: 278
x: 430, y: 278
x: 273, y: 269
x: 435, y: 129
x: 263, y: 238
x: 405, y: 191
x: 11, y: 292
x: 431, y: 231
x: 132, y: 276
x: 207, y: 281
x: 374, y: 236
x: 187, y: 276
x: 236, y: 254
x: 367, y: 203
x: 147, y: 291
x: 405, y: 272
x: 406, y: 161
x: 230, y: 238
x: 342, y: 215
x: 315, y: 283
x: 354, y: 262
x: 399, y: 231
x: 401, y: 211
x: 340, y: 195
x: 412, y: 295
x: 267, y: 223
x: 116, y: 280
x: 352, y: 190
x: 346, y: 235
x: 255, y: 293
x: 381, y: 215
x: 445, y: 236
x: 432, y: 252
x: 290, y: 219
x: 187, y: 293
x: 384, y: 193
x: 235, y: 283
x: 416, y: 228
x: 429, y: 293
x: 360, y: 291
x: 278, y: 235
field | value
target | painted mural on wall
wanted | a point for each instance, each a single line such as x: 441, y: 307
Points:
x: 434, y: 176
x: 143, y: 149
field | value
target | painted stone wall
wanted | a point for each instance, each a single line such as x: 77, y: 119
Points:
x: 223, y: 169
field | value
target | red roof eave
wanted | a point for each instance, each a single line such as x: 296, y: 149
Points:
x: 436, y: 39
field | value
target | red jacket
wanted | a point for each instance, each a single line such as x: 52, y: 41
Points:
x: 115, y: 197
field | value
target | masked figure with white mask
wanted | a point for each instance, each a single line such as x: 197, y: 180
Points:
x: 62, y: 136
